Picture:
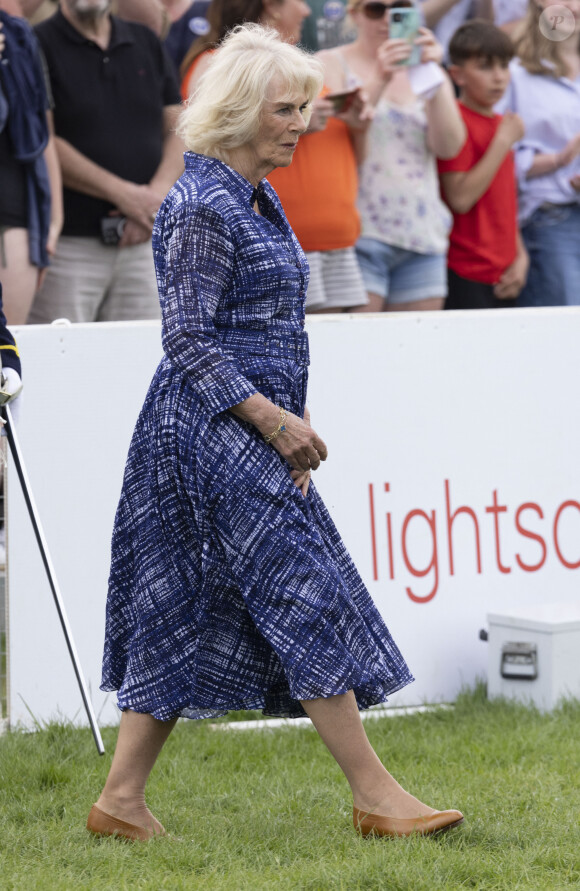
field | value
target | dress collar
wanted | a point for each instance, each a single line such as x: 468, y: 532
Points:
x: 229, y: 177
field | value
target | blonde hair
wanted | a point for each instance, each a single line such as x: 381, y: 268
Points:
x: 225, y: 111
x: 534, y: 50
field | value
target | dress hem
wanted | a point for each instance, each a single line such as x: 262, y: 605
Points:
x: 258, y: 703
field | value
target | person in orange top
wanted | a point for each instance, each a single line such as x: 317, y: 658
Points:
x: 318, y: 193
x: 285, y: 16
x: 324, y: 164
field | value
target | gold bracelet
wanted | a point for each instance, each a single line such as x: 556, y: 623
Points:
x: 270, y: 437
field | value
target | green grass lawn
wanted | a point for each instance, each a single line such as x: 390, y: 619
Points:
x: 270, y: 810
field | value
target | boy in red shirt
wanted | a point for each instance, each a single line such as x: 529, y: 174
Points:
x: 487, y: 262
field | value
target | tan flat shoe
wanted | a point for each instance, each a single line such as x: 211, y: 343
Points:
x: 374, y: 824
x: 101, y: 823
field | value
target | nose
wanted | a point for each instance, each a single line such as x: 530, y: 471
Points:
x: 298, y: 122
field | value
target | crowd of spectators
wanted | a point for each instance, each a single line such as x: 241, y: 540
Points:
x: 409, y: 191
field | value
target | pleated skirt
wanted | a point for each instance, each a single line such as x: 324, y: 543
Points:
x: 228, y: 588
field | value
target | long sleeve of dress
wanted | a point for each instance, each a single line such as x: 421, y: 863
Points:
x: 196, y: 253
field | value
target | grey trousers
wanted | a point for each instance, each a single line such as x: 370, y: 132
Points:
x: 92, y: 282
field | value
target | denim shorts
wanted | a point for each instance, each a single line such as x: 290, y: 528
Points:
x: 552, y: 239
x: 398, y: 275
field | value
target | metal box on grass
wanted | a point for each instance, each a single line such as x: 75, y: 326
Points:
x: 534, y: 654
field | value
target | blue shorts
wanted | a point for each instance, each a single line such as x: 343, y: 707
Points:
x: 398, y: 275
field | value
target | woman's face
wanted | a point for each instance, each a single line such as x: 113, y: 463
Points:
x: 377, y: 28
x: 286, y: 17
x: 372, y: 18
x: 282, y: 122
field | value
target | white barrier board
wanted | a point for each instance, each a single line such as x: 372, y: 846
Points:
x: 453, y: 476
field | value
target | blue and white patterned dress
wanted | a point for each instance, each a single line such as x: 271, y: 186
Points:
x: 228, y: 588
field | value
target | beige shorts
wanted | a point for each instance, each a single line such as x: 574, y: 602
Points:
x: 335, y: 280
x: 90, y: 282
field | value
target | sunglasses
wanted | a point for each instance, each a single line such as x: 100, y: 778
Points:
x: 376, y: 10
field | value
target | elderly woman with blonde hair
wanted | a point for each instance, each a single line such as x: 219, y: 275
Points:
x: 230, y: 587
x: 402, y: 250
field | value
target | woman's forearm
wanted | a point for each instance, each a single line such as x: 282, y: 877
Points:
x: 296, y: 441
x: 55, y: 179
x: 544, y: 164
x: 259, y: 411
x: 446, y: 131
x: 434, y: 10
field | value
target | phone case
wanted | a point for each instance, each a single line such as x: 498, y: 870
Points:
x: 404, y: 24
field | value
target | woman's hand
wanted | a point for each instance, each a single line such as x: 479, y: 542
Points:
x: 51, y: 243
x: 390, y: 54
x: 432, y: 51
x: 300, y: 445
x: 321, y: 111
x: 359, y: 113
x: 302, y: 477
x: 301, y: 480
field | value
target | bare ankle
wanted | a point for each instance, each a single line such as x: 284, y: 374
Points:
x: 120, y: 799
x: 374, y: 790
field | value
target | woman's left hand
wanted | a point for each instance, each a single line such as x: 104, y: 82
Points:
x: 359, y: 113
x: 302, y: 477
x: 51, y: 243
x: 432, y: 49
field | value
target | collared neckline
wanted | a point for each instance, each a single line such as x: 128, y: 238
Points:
x: 227, y: 175
x: 120, y: 32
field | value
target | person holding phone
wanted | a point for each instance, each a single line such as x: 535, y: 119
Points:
x: 319, y: 191
x: 284, y: 16
x: 405, y: 224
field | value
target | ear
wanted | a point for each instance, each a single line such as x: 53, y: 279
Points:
x: 456, y: 72
x: 271, y: 10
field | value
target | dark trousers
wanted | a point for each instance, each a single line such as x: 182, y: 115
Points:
x: 462, y: 293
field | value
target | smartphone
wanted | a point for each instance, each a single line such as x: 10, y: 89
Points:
x: 404, y: 24
x: 341, y: 102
